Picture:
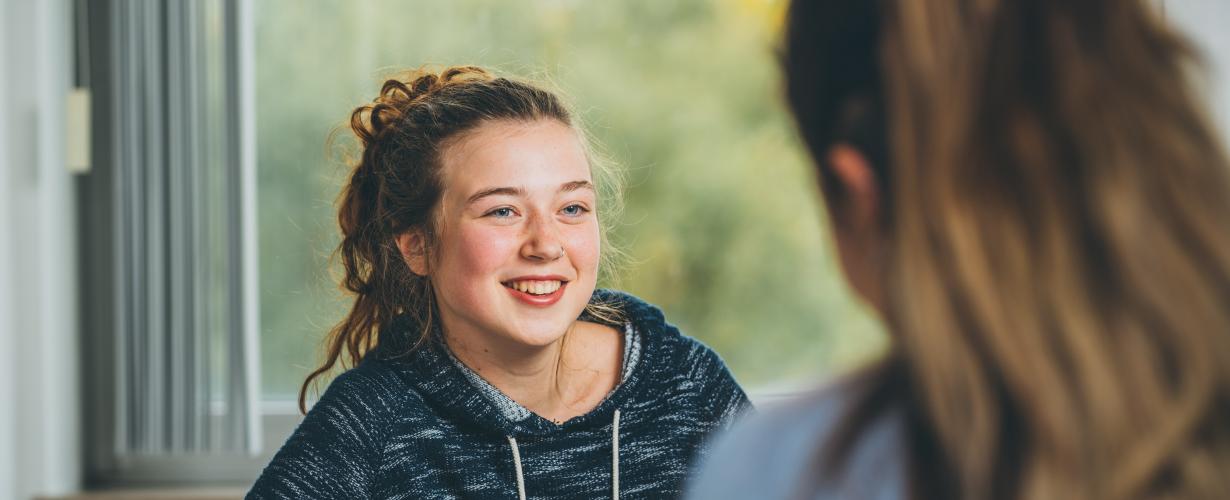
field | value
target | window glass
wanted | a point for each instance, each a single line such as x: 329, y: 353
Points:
x: 721, y: 221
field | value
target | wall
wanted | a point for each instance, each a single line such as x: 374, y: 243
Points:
x: 1206, y: 22
x: 39, y: 421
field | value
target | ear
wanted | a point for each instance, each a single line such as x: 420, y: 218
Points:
x: 861, y: 204
x: 413, y: 248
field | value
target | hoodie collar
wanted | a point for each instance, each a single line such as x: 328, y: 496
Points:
x: 513, y: 410
x: 444, y: 384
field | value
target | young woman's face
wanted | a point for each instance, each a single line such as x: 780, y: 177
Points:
x: 516, y: 256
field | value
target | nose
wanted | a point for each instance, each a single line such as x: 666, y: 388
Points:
x: 542, y: 242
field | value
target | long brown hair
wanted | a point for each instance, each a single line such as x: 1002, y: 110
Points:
x: 1058, y: 239
x: 394, y: 187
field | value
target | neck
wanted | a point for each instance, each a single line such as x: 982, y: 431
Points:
x: 549, y: 380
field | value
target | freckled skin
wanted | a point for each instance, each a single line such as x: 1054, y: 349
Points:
x: 479, y: 250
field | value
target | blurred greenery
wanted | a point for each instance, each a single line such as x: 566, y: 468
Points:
x: 721, y: 222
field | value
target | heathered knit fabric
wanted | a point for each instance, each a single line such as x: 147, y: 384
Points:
x: 414, y: 426
x: 514, y: 411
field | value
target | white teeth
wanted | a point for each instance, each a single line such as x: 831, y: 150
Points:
x: 536, y: 287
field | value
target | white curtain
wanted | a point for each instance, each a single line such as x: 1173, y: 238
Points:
x: 186, y: 301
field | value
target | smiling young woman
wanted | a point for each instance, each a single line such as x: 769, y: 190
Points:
x: 485, y: 362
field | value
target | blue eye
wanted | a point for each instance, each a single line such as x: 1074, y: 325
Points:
x: 574, y: 210
x: 502, y: 212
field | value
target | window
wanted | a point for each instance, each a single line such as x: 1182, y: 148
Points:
x: 721, y: 219
x: 169, y: 247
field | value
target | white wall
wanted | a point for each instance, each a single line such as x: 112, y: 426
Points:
x: 7, y: 413
x: 39, y: 409
x: 1207, y: 23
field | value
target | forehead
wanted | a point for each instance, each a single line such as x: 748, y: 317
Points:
x: 538, y: 154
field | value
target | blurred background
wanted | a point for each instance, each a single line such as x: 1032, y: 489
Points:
x: 720, y: 223
x: 168, y: 185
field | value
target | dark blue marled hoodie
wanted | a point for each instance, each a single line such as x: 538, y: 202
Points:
x: 423, y: 426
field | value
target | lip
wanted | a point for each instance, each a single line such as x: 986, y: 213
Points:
x: 538, y: 300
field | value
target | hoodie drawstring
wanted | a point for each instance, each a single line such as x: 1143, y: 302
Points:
x: 615, y: 457
x: 512, y: 441
x: 516, y: 453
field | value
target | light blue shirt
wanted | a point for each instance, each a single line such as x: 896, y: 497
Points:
x: 773, y: 455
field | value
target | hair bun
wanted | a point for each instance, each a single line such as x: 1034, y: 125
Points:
x: 402, y: 92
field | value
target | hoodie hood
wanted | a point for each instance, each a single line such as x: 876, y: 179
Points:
x: 412, y: 421
x: 445, y: 384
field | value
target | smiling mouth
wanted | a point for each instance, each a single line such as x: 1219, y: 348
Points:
x: 535, y: 287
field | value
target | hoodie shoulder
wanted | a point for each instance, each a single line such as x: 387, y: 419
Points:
x: 688, y: 353
x: 369, y: 396
x: 683, y: 363
x: 336, y: 450
x: 719, y: 390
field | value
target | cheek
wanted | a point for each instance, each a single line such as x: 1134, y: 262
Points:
x: 477, y: 250
x: 584, y: 246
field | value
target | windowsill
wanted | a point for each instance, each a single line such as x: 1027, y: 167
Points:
x: 156, y: 494
x: 190, y: 473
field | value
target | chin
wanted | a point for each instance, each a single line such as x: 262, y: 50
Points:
x: 541, y: 333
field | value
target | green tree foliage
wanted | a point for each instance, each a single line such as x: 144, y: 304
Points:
x: 721, y: 222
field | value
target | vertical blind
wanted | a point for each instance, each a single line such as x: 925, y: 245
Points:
x: 186, y: 293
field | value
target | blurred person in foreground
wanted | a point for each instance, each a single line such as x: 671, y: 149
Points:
x: 1030, y: 195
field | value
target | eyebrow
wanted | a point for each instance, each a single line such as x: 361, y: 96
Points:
x: 567, y: 187
x: 576, y: 186
x: 507, y: 191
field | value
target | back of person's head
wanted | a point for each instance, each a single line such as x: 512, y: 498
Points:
x: 1055, y: 211
x: 395, y: 185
